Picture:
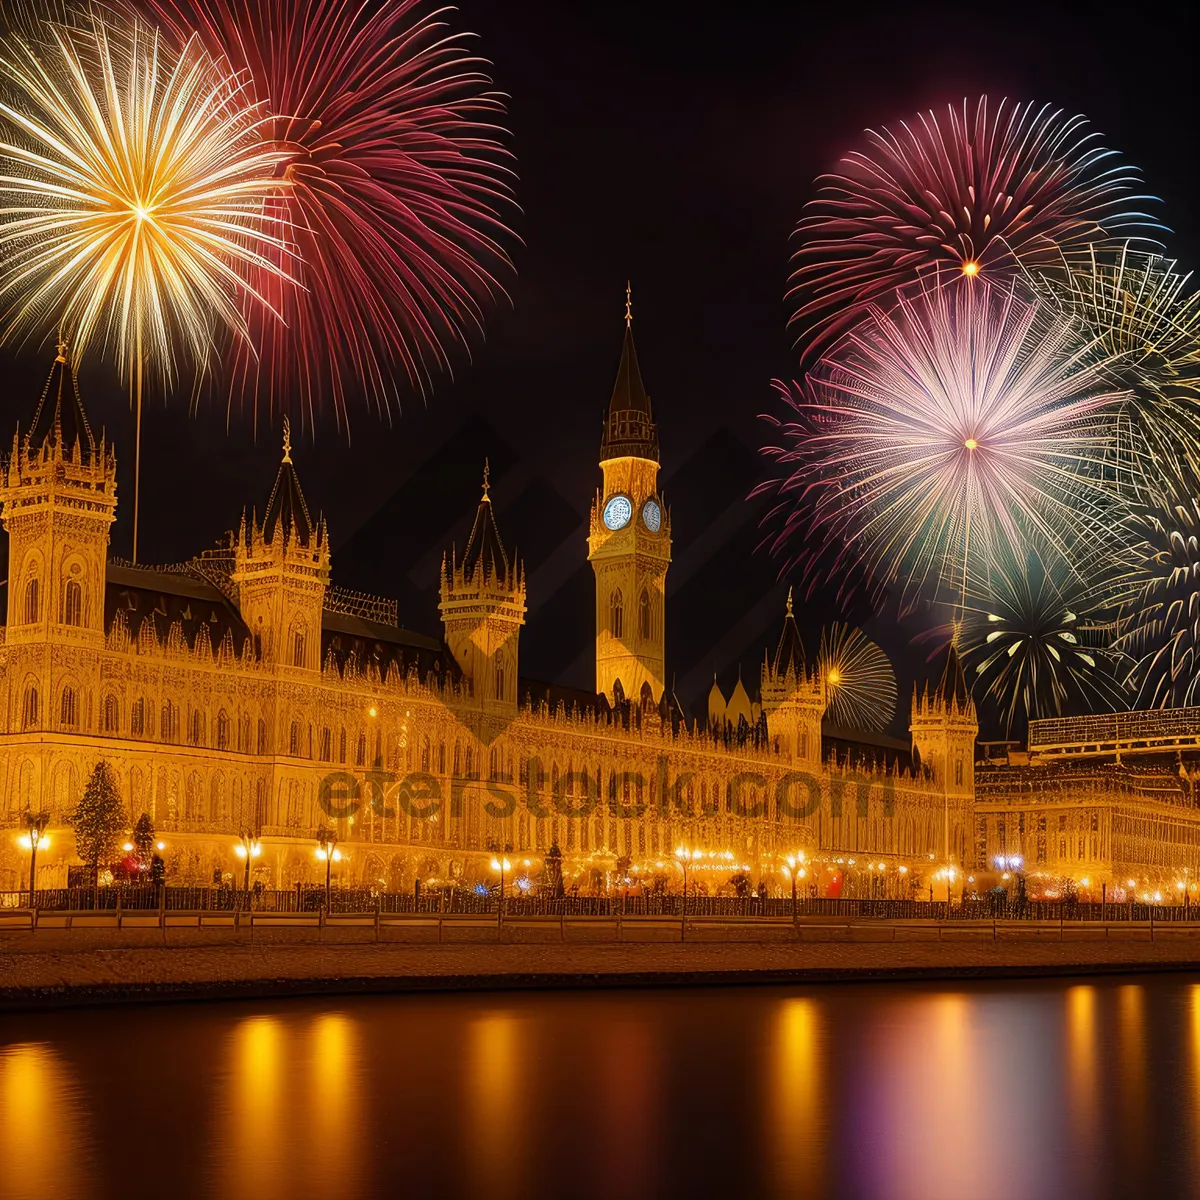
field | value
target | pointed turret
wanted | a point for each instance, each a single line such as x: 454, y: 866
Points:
x: 59, y: 496
x: 716, y: 705
x: 793, y: 698
x: 60, y: 422
x: 281, y: 572
x: 739, y: 703
x: 484, y: 546
x: 789, y: 654
x: 629, y: 429
x: 287, y: 511
x: 483, y: 608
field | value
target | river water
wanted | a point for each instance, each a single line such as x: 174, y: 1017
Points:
x: 1024, y: 1090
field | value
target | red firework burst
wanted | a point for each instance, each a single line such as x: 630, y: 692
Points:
x: 983, y: 194
x: 398, y: 185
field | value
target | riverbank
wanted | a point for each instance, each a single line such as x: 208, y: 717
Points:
x: 83, y: 966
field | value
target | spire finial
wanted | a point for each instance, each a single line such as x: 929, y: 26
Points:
x: 487, y: 483
x: 287, y: 440
x: 789, y: 602
x: 628, y: 304
x: 63, y: 348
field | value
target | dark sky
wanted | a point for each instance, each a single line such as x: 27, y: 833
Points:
x: 676, y: 148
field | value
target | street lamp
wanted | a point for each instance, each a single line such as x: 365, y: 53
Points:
x: 247, y: 849
x: 328, y: 853
x: 35, y: 837
x: 795, y: 870
x: 501, y: 864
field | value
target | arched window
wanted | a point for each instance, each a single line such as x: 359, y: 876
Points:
x: 499, y: 674
x: 170, y: 722
x: 298, y: 648
x: 342, y: 745
x: 644, y: 615
x: 29, y: 711
x: 137, y: 718
x: 31, y: 602
x: 360, y: 753
x: 294, y: 740
x: 196, y: 729
x: 262, y: 736
x: 616, y: 613
x: 326, y: 744
x: 222, y: 730
x: 69, y: 710
x: 958, y: 772
x: 111, y: 715
x: 72, y: 603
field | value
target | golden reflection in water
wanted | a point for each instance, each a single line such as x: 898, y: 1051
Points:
x: 497, y: 1082
x: 333, y: 1106
x: 625, y: 1064
x: 257, y: 1162
x: 1194, y: 1008
x: 41, y: 1137
x: 1083, y: 1097
x: 796, y: 1121
x: 1131, y: 1061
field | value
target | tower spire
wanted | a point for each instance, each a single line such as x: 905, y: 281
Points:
x: 486, y: 481
x: 628, y: 304
x: 287, y: 440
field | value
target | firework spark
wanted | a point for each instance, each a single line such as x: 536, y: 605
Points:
x: 1147, y: 326
x: 1036, y: 639
x: 859, y: 679
x: 133, y: 189
x: 399, y: 181
x: 133, y: 197
x: 975, y: 193
x: 1160, y: 626
x: 965, y: 417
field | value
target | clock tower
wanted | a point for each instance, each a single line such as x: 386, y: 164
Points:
x: 629, y: 545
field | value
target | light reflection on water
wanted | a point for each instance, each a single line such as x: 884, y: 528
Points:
x: 1025, y: 1090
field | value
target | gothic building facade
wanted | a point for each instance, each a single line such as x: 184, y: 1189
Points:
x: 242, y: 696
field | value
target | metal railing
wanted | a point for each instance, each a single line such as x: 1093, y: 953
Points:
x: 147, y: 898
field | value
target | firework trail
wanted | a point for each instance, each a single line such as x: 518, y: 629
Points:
x: 978, y: 191
x: 965, y: 418
x: 399, y: 182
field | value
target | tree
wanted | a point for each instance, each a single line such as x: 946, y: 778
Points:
x: 99, y: 819
x: 143, y: 840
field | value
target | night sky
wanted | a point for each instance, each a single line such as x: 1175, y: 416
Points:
x: 658, y: 143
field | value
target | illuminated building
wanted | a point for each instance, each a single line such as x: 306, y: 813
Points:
x: 242, y: 694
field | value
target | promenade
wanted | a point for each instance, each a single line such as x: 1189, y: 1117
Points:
x: 86, y: 958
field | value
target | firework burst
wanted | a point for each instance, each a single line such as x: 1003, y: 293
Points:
x: 1160, y: 626
x: 964, y: 418
x: 1036, y: 639
x: 398, y: 184
x: 134, y: 190
x: 859, y: 679
x: 133, y: 195
x: 975, y: 192
x: 1147, y: 326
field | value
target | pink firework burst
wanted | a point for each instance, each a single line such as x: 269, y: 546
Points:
x: 964, y: 418
x: 397, y: 188
x: 979, y: 193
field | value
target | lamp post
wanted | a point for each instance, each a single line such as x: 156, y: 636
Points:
x: 35, y: 837
x: 795, y: 870
x: 247, y: 849
x: 328, y: 853
x: 501, y: 864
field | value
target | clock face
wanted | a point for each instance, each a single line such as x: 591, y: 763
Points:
x: 617, y: 512
x: 652, y: 516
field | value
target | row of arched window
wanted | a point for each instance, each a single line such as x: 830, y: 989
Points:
x: 647, y: 615
x: 70, y: 608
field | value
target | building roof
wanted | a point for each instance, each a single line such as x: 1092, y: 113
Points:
x: 286, y: 508
x: 484, y: 544
x: 953, y: 685
x: 789, y: 654
x: 629, y: 429
x: 165, y: 598
x: 60, y: 419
